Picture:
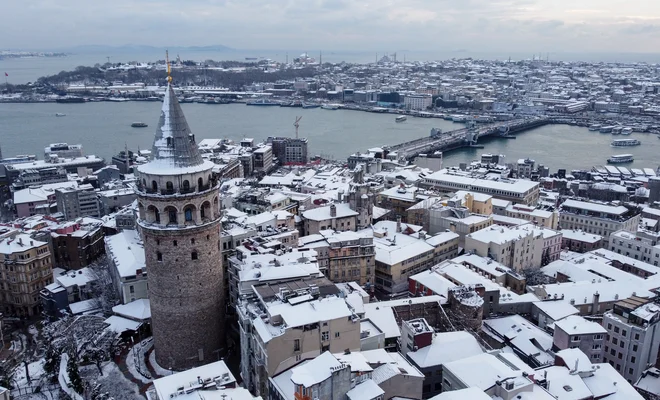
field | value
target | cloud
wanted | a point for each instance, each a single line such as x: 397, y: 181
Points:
x: 498, y: 25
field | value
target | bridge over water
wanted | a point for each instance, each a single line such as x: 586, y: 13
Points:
x: 464, y: 137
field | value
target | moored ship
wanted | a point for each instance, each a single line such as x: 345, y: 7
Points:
x: 620, y: 159
x: 625, y: 142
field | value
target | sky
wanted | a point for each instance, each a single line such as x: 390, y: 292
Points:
x: 609, y: 26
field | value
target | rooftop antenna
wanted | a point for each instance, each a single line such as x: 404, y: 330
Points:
x: 296, y: 124
x: 320, y: 57
x: 169, y: 70
x: 108, y: 57
x: 287, y: 57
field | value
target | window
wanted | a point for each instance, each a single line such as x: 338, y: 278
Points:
x: 336, y: 335
x: 186, y: 186
x: 174, y: 243
x: 296, y: 345
x: 171, y: 212
x: 325, y: 336
x: 615, y: 340
x: 616, y: 329
x: 575, y: 338
x: 189, y: 214
x: 192, y: 241
x: 633, y: 359
x: 634, y: 347
x: 193, y: 255
x: 620, y: 356
x: 159, y: 256
x: 598, y: 337
x: 154, y: 186
x: 624, y: 333
x: 636, y: 336
x: 131, y: 289
x: 612, y: 352
x: 596, y: 347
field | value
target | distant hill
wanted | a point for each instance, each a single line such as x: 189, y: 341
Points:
x: 137, y: 48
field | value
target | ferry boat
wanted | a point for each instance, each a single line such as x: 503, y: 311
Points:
x: 625, y: 142
x: 620, y: 159
x: 330, y: 107
x: 310, y: 105
x: 459, y: 118
x: 617, y: 130
x: 595, y: 127
x: 262, y: 102
x: 400, y: 118
x: 606, y: 129
x: 626, y: 131
x: 60, y: 114
x: 139, y: 125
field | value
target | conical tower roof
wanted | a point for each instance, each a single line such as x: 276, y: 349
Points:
x: 174, y: 145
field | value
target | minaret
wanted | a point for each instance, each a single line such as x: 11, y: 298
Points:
x: 180, y: 221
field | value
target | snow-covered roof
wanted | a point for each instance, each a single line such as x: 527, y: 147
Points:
x: 215, y: 373
x: 446, y: 347
x: 79, y: 277
x: 576, y: 325
x: 41, y: 193
x: 174, y: 149
x: 471, y: 393
x: 18, y: 244
x: 84, y: 306
x: 120, y: 324
x: 556, y: 309
x: 139, y: 310
x: 595, y: 207
x: 580, y: 235
x: 127, y: 252
x: 366, y: 390
x: 315, y: 371
x: 343, y: 210
x: 481, y: 370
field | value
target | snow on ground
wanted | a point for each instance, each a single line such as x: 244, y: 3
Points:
x: 136, y: 356
x: 157, y: 368
x: 112, y: 381
x: 36, y: 373
x: 63, y: 379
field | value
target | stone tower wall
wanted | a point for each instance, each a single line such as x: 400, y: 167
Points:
x: 185, y: 275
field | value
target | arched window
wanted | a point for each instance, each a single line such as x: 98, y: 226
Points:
x: 154, y: 186
x: 144, y: 183
x: 171, y: 215
x: 152, y: 214
x: 186, y: 185
x: 193, y: 255
x: 205, y: 211
x: 169, y: 186
x: 200, y: 183
x: 188, y: 213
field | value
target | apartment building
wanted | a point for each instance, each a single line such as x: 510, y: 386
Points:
x: 576, y: 332
x: 634, y: 246
x: 78, y: 202
x: 26, y: 269
x: 633, y: 336
x: 282, y: 324
x: 343, y: 256
x: 600, y: 219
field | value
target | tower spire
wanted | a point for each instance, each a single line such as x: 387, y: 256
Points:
x: 169, y: 70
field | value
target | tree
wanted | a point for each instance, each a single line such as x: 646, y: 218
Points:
x: 74, y: 375
x: 52, y: 361
x: 545, y: 257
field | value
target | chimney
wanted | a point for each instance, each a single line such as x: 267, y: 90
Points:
x: 340, y: 196
x: 398, y: 224
x: 594, y: 306
x: 333, y: 210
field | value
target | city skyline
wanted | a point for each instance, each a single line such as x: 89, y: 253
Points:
x: 417, y: 25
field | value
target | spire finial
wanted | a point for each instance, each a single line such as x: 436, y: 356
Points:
x: 169, y: 70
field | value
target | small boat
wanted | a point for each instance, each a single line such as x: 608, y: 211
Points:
x: 330, y: 107
x: 594, y: 127
x: 625, y: 142
x: 139, y: 125
x: 400, y: 118
x: 310, y: 105
x: 606, y: 129
x: 459, y: 118
x: 617, y: 130
x: 60, y: 115
x: 626, y: 131
x: 620, y: 159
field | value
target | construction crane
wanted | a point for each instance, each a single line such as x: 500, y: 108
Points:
x: 296, y: 124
